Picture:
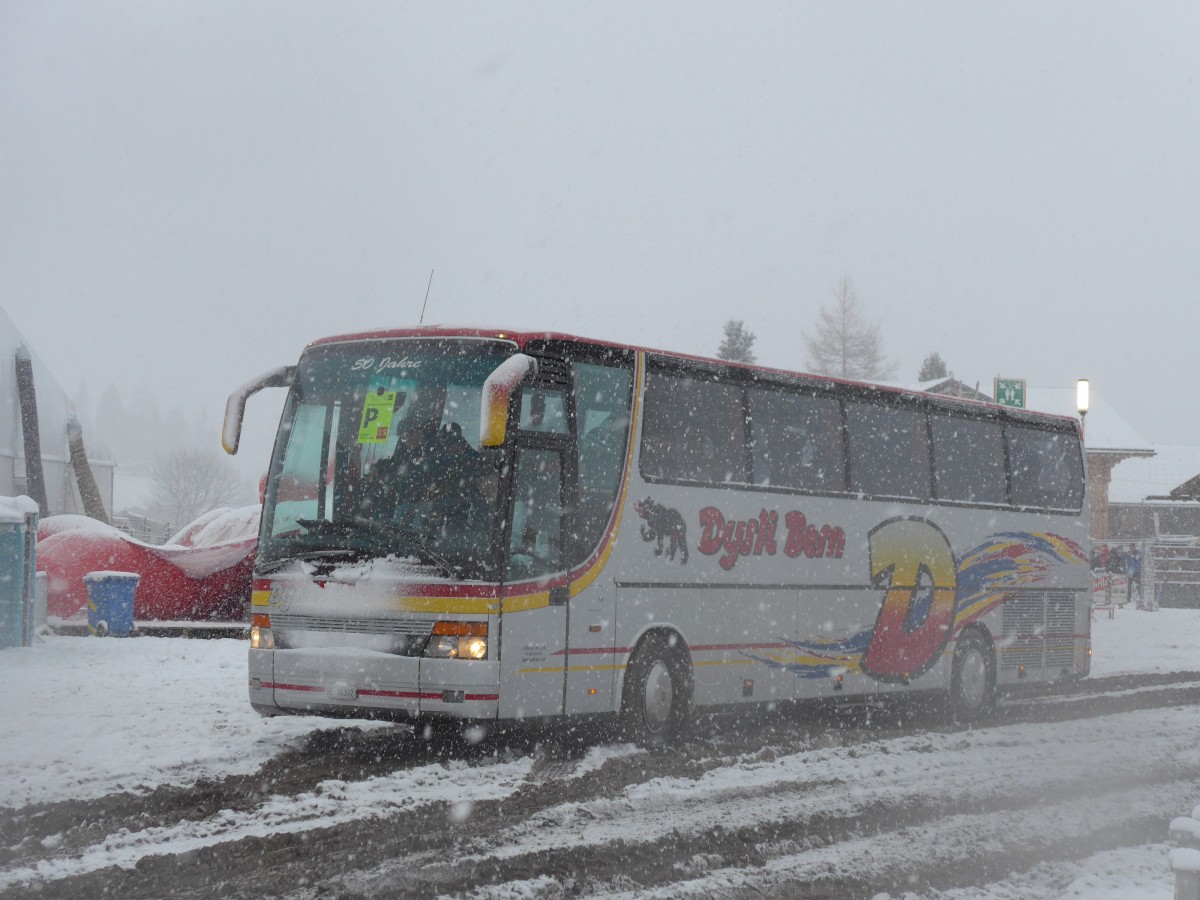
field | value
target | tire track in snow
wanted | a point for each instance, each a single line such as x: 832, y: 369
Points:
x: 332, y: 803
x: 950, y: 852
x: 753, y: 797
x: 656, y: 829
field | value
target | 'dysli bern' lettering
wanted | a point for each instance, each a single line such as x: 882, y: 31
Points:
x: 735, y: 538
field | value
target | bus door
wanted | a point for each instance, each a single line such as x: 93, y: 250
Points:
x: 603, y: 408
x: 536, y: 583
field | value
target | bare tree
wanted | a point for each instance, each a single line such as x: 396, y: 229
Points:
x: 845, y: 345
x: 738, y: 343
x: 933, y: 367
x: 187, y: 483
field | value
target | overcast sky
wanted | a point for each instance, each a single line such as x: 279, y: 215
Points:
x: 190, y: 192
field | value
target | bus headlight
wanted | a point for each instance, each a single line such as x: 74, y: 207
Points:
x: 260, y: 632
x: 473, y: 648
x: 458, y: 640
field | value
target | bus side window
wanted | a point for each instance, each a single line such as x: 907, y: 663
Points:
x: 543, y: 409
x: 535, y: 545
x: 1046, y: 468
x: 968, y: 459
x: 889, y: 451
x: 604, y: 397
x: 694, y: 430
x: 796, y: 440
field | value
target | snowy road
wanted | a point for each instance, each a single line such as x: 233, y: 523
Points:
x: 811, y: 801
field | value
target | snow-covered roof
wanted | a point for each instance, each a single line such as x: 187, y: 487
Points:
x: 1135, y: 479
x: 54, y: 411
x: 1147, y: 471
x: 53, y: 406
x: 952, y: 387
x: 1104, y: 428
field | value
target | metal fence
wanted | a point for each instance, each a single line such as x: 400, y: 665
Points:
x: 1174, y: 566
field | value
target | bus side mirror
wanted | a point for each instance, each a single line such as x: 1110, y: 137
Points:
x: 235, y: 406
x: 497, y: 393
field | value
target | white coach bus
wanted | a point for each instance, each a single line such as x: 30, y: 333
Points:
x: 492, y: 525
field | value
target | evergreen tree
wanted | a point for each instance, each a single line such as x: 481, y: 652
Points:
x: 738, y: 343
x: 933, y: 368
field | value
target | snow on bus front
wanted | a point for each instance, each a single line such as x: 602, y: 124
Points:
x: 381, y: 637
x: 376, y: 578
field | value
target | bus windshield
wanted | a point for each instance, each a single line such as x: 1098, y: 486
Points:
x: 379, y: 456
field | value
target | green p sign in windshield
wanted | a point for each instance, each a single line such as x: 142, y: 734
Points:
x: 376, y: 417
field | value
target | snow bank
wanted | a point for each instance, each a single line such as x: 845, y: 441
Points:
x: 1135, y: 640
x: 100, y: 715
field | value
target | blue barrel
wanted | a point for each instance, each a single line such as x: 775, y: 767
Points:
x: 110, y: 602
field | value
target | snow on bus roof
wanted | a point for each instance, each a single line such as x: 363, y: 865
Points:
x: 522, y: 337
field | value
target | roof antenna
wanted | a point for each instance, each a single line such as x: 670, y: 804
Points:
x: 421, y: 321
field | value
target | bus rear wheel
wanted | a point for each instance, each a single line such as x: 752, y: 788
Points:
x: 657, y: 699
x: 973, y: 678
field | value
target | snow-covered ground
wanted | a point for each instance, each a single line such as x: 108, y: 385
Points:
x: 85, y: 717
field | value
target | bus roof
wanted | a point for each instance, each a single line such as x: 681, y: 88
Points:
x: 523, y: 337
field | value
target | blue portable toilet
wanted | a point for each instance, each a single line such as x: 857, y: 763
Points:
x: 18, y: 548
x: 110, y: 602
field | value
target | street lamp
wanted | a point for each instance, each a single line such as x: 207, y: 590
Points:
x: 1082, y: 398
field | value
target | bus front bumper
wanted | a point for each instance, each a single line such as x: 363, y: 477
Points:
x: 340, y: 682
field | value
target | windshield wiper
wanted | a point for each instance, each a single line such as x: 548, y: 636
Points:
x: 313, y: 554
x: 369, y: 530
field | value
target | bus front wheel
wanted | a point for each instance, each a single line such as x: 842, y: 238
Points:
x: 973, y: 678
x: 657, y: 699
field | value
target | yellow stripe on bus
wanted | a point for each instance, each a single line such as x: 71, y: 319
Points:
x: 477, y: 606
x: 594, y: 668
x: 724, y: 662
x: 526, y: 602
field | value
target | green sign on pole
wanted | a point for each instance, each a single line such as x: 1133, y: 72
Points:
x: 1010, y: 392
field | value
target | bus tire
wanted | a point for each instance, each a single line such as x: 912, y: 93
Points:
x: 656, y: 701
x: 972, y: 678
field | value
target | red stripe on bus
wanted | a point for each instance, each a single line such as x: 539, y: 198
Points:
x: 420, y: 695
x: 697, y: 648
x: 371, y: 692
x: 292, y: 687
x: 457, y: 591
